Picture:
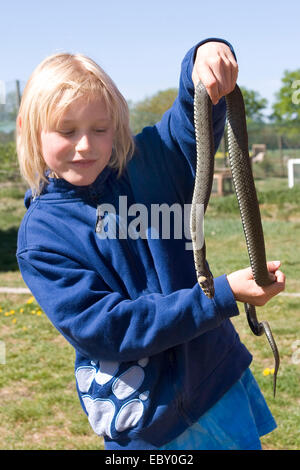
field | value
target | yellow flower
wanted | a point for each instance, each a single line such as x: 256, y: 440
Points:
x: 30, y: 300
x: 1, y: 310
x: 7, y: 314
x: 21, y: 310
x: 39, y: 312
x: 12, y: 312
x: 268, y: 371
x: 14, y: 320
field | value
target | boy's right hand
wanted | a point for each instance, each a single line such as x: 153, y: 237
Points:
x: 246, y: 290
x: 217, y: 68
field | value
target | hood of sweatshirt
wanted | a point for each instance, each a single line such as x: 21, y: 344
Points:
x: 58, y: 188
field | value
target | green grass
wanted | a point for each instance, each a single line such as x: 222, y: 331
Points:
x: 39, y: 404
x: 282, y: 314
x: 9, y: 170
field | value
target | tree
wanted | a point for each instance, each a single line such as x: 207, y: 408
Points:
x: 254, y: 105
x: 150, y: 110
x: 286, y: 109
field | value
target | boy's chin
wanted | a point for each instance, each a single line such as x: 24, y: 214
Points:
x: 80, y: 180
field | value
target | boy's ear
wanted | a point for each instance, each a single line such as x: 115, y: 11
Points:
x: 19, y: 120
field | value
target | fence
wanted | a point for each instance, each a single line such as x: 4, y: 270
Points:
x: 293, y: 171
x: 281, y: 145
x: 10, y: 97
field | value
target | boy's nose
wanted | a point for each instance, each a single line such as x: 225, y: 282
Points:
x: 83, y: 143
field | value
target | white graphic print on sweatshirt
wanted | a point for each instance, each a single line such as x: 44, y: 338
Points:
x: 101, y: 412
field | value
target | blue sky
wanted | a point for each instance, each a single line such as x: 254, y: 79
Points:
x: 141, y: 43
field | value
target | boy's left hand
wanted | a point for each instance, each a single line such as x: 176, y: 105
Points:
x: 217, y: 69
x: 246, y: 290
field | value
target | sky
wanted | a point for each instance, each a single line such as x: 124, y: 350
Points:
x: 141, y: 44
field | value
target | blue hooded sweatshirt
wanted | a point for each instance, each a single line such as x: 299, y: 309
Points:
x: 152, y: 352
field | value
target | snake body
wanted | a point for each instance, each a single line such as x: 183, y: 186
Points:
x: 244, y: 186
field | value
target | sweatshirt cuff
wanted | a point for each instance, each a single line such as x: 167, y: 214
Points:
x: 224, y: 299
x: 189, y: 60
x: 213, y: 40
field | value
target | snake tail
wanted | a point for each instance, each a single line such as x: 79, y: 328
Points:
x: 268, y: 333
x: 260, y: 328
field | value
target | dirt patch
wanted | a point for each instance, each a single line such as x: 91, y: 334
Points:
x: 23, y: 391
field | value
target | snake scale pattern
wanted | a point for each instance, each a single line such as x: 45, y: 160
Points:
x: 244, y: 186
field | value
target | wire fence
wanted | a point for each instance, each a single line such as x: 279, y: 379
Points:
x: 10, y: 97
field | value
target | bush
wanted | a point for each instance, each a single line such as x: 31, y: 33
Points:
x: 278, y: 197
x: 9, y: 168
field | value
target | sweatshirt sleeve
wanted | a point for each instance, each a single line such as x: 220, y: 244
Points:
x: 176, y: 128
x: 101, y: 324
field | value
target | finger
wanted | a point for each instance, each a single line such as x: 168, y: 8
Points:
x: 272, y: 277
x: 234, y: 68
x: 220, y: 67
x: 225, y: 69
x: 211, y: 84
x: 273, y: 265
x: 280, y: 277
x: 277, y: 286
x: 235, y: 71
x: 234, y: 75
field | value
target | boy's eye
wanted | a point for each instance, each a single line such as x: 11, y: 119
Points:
x: 65, y: 132
x: 100, y: 131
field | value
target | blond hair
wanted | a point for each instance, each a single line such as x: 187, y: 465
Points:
x: 57, y: 82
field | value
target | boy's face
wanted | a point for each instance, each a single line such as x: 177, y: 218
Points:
x: 80, y: 147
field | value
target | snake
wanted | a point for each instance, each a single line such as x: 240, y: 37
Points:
x: 244, y: 187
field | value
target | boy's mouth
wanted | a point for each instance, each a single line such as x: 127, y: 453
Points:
x: 83, y: 163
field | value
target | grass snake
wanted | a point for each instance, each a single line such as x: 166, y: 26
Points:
x: 244, y: 186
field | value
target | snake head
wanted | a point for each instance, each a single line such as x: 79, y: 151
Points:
x: 207, y: 285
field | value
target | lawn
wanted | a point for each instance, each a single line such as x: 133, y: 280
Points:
x: 39, y: 404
